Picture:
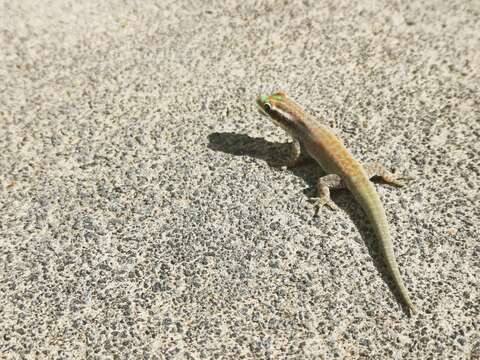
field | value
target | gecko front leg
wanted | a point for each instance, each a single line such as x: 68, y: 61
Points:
x: 297, y: 156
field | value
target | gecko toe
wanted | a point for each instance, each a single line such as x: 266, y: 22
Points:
x: 319, y: 202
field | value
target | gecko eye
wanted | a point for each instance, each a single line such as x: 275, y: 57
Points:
x: 264, y: 104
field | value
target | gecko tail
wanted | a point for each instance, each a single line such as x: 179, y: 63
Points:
x: 412, y: 308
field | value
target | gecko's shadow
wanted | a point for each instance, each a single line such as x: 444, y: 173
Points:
x: 244, y: 145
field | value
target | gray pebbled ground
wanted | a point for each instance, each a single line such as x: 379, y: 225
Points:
x: 139, y: 217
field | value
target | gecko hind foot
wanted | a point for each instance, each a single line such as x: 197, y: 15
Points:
x: 319, y: 202
x: 376, y: 169
x: 399, y: 181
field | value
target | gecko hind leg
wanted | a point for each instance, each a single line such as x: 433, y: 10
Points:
x: 376, y: 169
x: 324, y: 184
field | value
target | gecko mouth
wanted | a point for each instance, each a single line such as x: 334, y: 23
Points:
x: 261, y: 111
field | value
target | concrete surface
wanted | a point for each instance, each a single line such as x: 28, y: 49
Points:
x: 139, y: 217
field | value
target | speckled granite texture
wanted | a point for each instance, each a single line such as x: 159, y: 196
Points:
x: 139, y: 218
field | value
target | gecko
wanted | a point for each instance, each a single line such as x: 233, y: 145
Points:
x: 311, y: 138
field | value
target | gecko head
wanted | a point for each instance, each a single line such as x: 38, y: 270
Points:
x: 267, y: 103
x: 275, y: 106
